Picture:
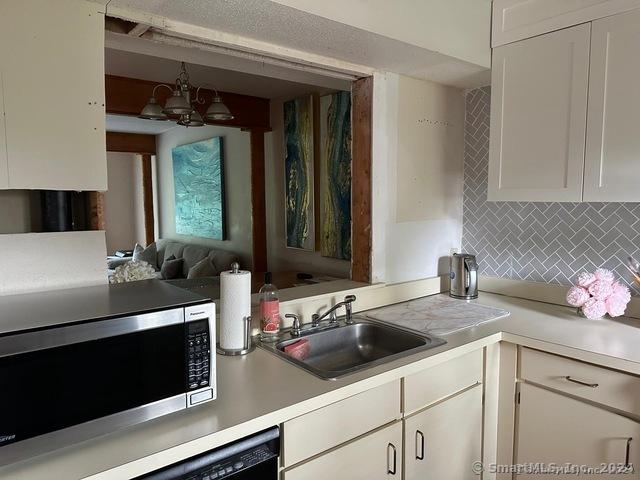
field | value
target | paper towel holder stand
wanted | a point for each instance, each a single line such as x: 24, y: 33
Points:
x: 249, y: 346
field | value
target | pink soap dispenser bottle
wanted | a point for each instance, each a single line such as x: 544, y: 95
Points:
x: 269, y: 309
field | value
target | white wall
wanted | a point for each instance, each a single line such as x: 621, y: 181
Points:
x: 417, y: 177
x: 49, y: 261
x: 15, y: 211
x: 124, y: 208
x: 237, y: 183
x: 279, y: 257
x: 459, y: 28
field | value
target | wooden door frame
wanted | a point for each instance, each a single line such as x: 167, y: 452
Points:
x: 139, y: 144
x: 361, y: 179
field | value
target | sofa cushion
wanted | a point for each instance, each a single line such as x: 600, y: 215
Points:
x: 173, y: 249
x: 192, y: 254
x: 172, y: 268
x: 204, y: 268
x: 222, y: 260
x: 148, y: 254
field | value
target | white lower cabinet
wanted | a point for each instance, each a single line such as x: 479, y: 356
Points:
x: 443, y: 441
x: 377, y: 455
x: 555, y: 429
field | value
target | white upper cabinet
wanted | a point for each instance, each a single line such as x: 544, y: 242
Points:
x: 612, y: 160
x: 52, y: 64
x: 538, y: 117
x: 4, y: 174
x: 518, y: 19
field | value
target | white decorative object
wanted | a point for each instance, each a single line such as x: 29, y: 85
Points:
x: 133, y: 271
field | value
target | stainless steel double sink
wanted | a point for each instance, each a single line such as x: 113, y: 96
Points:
x: 348, y: 348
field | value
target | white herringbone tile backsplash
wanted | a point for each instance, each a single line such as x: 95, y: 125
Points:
x: 542, y: 242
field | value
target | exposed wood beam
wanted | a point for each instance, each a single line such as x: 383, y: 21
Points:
x: 139, y: 30
x: 96, y: 210
x: 131, y: 143
x: 258, y: 200
x: 127, y: 96
x: 362, y: 112
x: 147, y: 194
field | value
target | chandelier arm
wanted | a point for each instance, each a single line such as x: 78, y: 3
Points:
x: 160, y: 85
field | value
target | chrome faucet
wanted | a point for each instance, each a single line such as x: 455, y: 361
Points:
x: 346, y: 303
x: 296, y: 327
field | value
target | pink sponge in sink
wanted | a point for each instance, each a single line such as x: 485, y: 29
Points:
x: 298, y: 350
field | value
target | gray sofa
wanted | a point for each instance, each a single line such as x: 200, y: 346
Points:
x: 192, y: 254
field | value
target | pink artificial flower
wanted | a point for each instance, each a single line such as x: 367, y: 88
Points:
x: 594, y: 308
x: 585, y: 279
x: 576, y: 296
x: 621, y: 292
x: 604, y: 275
x: 615, y: 306
x: 600, y: 289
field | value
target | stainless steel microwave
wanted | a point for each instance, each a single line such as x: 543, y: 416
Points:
x: 121, y: 356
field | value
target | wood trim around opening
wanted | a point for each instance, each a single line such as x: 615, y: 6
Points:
x: 147, y: 195
x: 131, y: 143
x: 258, y: 201
x: 362, y: 138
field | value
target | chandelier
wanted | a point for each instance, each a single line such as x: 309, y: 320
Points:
x: 182, y: 104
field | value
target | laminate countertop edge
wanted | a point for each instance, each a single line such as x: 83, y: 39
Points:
x: 261, y: 390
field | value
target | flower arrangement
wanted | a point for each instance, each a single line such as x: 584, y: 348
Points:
x: 133, y: 271
x: 598, y: 294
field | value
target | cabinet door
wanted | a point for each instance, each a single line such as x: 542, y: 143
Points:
x: 375, y: 456
x: 538, y: 117
x: 517, y: 19
x: 612, y: 168
x: 556, y: 429
x: 444, y: 441
x: 54, y: 94
x: 4, y: 173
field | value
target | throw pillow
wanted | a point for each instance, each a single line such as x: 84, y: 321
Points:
x: 171, y: 268
x: 204, y: 268
x: 149, y: 254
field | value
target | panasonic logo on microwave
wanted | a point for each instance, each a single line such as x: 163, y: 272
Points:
x: 6, y: 438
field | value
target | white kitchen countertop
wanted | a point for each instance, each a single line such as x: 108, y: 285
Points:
x: 262, y: 390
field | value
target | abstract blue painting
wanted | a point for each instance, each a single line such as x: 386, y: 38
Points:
x: 298, y: 166
x: 199, y: 189
x: 335, y: 173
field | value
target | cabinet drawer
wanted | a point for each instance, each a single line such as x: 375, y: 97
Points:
x: 372, y: 457
x: 435, y: 383
x: 340, y: 422
x: 598, y: 384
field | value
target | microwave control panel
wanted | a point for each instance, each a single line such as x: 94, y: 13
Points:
x: 198, y: 354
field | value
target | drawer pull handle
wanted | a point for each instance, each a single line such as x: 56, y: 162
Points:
x: 420, y: 450
x: 391, y: 470
x: 628, y: 452
x: 579, y: 382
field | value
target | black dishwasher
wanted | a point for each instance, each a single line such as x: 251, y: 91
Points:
x: 253, y: 457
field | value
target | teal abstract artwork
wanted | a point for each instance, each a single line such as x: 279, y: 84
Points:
x: 199, y: 189
x: 298, y: 164
x: 335, y: 171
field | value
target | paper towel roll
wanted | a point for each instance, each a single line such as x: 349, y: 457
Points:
x: 235, y: 307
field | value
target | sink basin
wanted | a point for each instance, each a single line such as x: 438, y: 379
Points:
x: 345, y: 349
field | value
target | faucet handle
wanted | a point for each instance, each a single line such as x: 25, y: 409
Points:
x: 295, y: 328
x: 350, y: 298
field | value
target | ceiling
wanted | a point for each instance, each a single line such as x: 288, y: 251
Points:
x: 148, y: 67
x: 288, y: 27
x: 127, y: 124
